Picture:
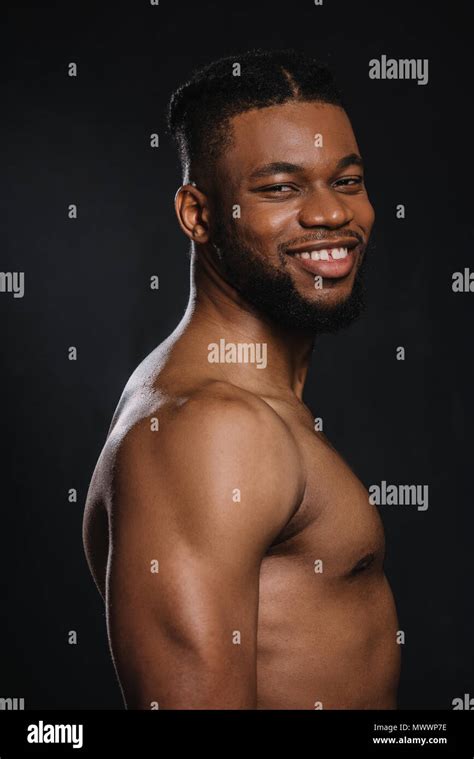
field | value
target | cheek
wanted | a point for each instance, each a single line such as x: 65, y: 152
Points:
x: 365, y: 214
x: 269, y: 222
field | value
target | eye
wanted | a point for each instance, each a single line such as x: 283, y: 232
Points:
x: 349, y: 181
x: 277, y: 188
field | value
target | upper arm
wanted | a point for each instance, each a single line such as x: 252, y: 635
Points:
x: 195, y: 505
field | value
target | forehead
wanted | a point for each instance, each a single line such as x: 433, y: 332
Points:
x: 288, y: 132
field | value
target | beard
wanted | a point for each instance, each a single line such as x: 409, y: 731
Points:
x: 273, y: 294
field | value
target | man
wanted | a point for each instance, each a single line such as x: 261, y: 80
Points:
x: 238, y: 555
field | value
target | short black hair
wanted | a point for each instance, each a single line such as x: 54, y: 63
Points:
x: 199, y: 111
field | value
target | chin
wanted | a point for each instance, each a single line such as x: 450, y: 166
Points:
x: 330, y: 301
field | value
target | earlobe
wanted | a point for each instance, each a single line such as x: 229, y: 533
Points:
x: 198, y: 231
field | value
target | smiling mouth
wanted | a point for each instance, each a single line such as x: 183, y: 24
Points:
x: 328, y: 263
x: 326, y: 254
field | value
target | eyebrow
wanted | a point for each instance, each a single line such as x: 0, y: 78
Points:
x: 352, y: 159
x: 282, y: 167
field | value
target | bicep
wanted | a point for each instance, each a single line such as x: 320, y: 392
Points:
x: 192, y: 518
x: 182, y: 626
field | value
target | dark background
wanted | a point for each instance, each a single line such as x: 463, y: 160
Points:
x: 85, y: 140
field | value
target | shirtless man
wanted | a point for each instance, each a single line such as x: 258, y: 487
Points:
x: 238, y: 555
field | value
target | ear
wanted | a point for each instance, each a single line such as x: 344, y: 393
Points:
x: 192, y: 210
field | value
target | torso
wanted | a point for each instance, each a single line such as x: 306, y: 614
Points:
x: 327, y: 622
x: 327, y: 619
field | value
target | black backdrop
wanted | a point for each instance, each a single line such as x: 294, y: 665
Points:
x: 85, y: 140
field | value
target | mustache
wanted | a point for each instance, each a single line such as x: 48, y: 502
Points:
x: 321, y: 236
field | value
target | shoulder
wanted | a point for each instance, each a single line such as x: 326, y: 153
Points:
x: 216, y: 416
x: 195, y: 451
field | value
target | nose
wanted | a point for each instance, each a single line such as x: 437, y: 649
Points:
x: 323, y: 207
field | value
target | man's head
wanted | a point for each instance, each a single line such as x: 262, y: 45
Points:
x: 272, y: 171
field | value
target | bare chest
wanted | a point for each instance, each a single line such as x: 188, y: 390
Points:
x: 327, y: 617
x: 335, y: 527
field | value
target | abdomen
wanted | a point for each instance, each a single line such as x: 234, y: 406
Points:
x: 327, y: 642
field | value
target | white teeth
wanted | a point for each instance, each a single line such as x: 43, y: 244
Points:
x: 338, y: 253
x: 323, y: 255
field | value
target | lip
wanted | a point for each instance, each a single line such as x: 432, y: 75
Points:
x: 327, y: 269
x: 342, y: 242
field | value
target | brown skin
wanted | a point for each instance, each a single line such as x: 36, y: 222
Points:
x: 237, y: 617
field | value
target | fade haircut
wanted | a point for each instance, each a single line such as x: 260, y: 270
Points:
x: 199, y: 112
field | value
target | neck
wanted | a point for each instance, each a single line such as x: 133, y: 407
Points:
x: 217, y: 314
